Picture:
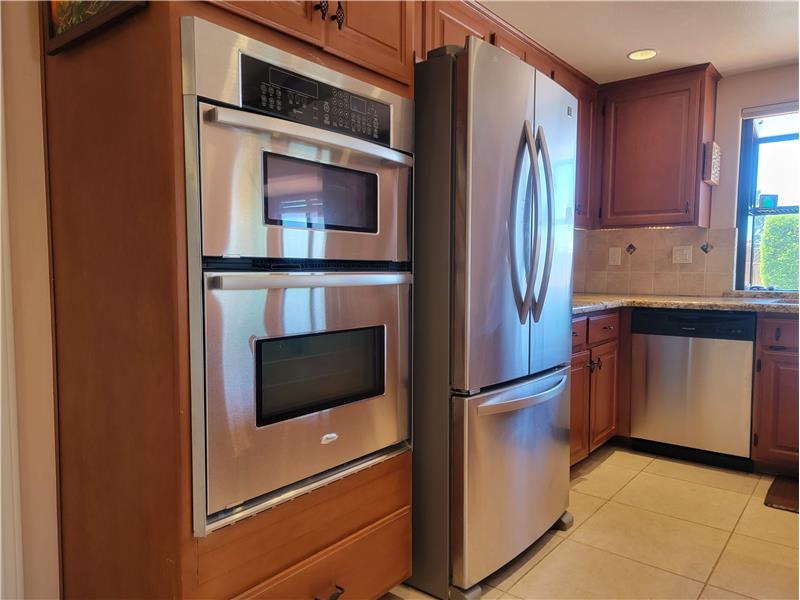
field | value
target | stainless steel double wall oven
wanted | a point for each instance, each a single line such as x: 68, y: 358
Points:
x: 298, y: 197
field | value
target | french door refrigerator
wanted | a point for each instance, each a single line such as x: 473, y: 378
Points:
x: 493, y: 235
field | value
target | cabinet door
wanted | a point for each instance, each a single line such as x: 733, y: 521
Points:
x: 585, y: 185
x: 650, y: 151
x: 299, y: 19
x: 579, y: 407
x: 603, y: 395
x: 452, y: 22
x: 377, y: 35
x: 776, y: 411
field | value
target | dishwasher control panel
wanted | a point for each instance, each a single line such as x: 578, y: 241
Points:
x: 713, y: 324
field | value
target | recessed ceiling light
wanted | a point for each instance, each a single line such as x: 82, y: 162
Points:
x: 643, y: 54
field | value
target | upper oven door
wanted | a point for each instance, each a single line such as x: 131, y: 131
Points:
x: 304, y: 372
x: 271, y: 188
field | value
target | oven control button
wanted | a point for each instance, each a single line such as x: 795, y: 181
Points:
x: 328, y: 438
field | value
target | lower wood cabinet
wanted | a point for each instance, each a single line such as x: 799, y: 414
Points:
x: 579, y: 407
x: 357, y: 567
x: 775, y: 399
x: 593, y: 386
x: 603, y: 395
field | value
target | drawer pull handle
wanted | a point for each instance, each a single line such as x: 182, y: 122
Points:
x: 777, y: 333
x: 608, y: 327
x: 574, y: 334
x: 322, y: 7
x: 335, y: 594
x: 775, y: 347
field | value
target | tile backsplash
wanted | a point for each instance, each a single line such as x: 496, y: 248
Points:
x: 646, y: 266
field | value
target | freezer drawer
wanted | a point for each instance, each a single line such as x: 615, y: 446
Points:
x: 510, y: 472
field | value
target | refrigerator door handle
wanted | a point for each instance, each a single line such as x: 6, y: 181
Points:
x: 534, y: 256
x: 541, y: 140
x: 493, y: 408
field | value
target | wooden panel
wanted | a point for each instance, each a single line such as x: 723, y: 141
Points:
x: 246, y: 553
x: 603, y: 327
x: 776, y: 409
x: 624, y: 373
x: 119, y: 294
x: 298, y: 18
x: 579, y: 327
x: 586, y: 184
x: 364, y: 565
x: 603, y: 395
x: 510, y: 43
x: 579, y: 407
x: 452, y: 22
x: 777, y: 333
x: 377, y: 35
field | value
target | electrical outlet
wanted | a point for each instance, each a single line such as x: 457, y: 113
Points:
x: 615, y: 256
x: 681, y: 254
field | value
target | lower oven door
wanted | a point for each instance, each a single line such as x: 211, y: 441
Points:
x: 304, y: 373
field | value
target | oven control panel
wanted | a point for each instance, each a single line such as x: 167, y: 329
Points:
x: 288, y: 95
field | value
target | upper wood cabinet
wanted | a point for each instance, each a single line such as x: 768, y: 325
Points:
x: 654, y: 129
x: 451, y: 22
x: 377, y: 35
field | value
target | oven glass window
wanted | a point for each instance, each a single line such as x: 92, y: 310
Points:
x: 303, y: 193
x: 304, y: 374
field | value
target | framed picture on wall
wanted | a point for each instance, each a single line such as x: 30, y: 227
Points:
x: 68, y: 22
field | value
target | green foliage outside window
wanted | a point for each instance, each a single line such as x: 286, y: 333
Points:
x: 779, y: 252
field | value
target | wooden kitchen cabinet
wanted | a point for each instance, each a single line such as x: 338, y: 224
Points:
x: 451, y: 22
x: 377, y: 35
x: 775, y: 403
x: 593, y: 383
x: 654, y: 129
x: 579, y: 407
x: 603, y: 394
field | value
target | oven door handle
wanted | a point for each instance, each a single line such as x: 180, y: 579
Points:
x: 268, y: 281
x: 316, y: 135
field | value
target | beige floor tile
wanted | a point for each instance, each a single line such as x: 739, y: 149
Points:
x: 744, y: 483
x: 762, y: 487
x: 406, y: 592
x: 713, y: 593
x: 582, y: 506
x: 602, y: 480
x: 505, y: 578
x: 625, y: 459
x: 767, y: 523
x: 757, y: 568
x: 577, y: 571
x: 676, y: 545
x: 490, y: 593
x: 702, y: 504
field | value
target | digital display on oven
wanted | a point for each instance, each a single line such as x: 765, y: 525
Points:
x: 287, y: 95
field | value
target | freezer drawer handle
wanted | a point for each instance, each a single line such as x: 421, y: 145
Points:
x: 268, y: 281
x: 493, y: 408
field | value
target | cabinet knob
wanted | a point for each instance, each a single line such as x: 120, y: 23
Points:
x: 338, y: 16
x: 777, y: 333
x: 322, y: 7
x: 608, y: 327
x: 574, y: 334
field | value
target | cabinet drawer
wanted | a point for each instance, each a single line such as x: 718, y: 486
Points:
x: 603, y: 327
x: 579, y: 326
x: 364, y: 565
x: 778, y: 334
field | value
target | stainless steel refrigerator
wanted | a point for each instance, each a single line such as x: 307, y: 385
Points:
x: 493, y: 233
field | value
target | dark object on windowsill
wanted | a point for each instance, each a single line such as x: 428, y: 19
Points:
x: 782, y: 494
x: 630, y: 248
x: 768, y: 201
x: 706, y: 247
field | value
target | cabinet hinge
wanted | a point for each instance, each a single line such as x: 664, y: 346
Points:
x: 758, y: 366
x: 755, y: 439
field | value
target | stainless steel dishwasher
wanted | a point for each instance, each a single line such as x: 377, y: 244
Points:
x: 692, y: 377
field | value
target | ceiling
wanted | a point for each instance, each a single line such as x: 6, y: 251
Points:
x: 595, y: 37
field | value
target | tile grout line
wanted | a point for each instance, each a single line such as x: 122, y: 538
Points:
x: 655, y: 512
x: 707, y: 484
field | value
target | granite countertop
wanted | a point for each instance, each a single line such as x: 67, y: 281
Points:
x: 584, y: 303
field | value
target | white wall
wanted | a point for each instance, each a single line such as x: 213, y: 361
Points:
x: 734, y: 93
x: 30, y: 286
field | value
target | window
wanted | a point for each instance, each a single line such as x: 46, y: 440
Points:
x: 769, y: 194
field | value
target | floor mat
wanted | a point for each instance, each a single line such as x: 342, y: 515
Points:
x: 782, y: 494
